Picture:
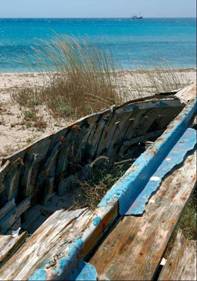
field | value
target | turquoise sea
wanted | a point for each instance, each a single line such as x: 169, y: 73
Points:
x: 133, y: 43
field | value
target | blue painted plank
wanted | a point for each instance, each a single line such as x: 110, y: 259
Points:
x: 176, y: 156
x: 63, y: 263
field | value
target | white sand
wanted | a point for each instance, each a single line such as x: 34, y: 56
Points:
x: 14, y: 133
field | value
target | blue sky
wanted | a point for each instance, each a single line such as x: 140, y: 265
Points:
x: 97, y: 8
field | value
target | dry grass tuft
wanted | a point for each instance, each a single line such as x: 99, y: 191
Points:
x: 27, y: 97
x: 82, y: 81
x: 32, y: 119
x: 92, y: 190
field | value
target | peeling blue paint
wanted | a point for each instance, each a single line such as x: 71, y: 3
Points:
x: 77, y: 244
x: 84, y: 271
x: 71, y: 256
x: 176, y: 156
x: 39, y: 274
x: 132, y: 183
x: 63, y: 263
x: 96, y: 221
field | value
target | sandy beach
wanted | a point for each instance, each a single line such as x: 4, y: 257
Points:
x: 14, y: 132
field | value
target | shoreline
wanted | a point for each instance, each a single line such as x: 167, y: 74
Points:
x: 181, y: 69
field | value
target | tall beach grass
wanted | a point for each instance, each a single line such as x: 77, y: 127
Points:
x: 82, y: 80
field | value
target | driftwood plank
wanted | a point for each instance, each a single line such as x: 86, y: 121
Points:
x: 181, y: 263
x: 9, y: 244
x: 13, y: 215
x: 62, y: 246
x: 41, y: 243
x: 54, y: 263
x: 133, y: 250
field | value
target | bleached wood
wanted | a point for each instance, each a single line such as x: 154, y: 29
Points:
x: 181, y: 263
x: 42, y: 244
x: 9, y: 244
x: 133, y: 250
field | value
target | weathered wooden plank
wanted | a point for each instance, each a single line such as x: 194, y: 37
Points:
x: 28, y: 178
x: 7, y: 207
x: 63, y: 258
x: 30, y: 156
x: 41, y: 243
x: 133, y: 122
x: 63, y: 160
x: 9, y: 244
x: 23, y: 206
x: 54, y: 259
x: 181, y: 263
x: 11, y: 179
x: 187, y: 94
x: 47, y: 176
x: 141, y: 139
x: 107, y: 220
x: 136, y: 125
x: 114, y: 139
x: 7, y: 221
x: 95, y: 139
x: 133, y: 250
x: 14, y: 213
x: 107, y: 133
x: 80, y: 134
x: 84, y: 153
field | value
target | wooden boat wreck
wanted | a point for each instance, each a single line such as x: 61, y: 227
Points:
x: 45, y: 236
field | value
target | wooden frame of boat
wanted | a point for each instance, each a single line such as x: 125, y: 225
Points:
x: 35, y: 187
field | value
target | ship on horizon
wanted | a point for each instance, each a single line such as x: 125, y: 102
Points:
x: 135, y: 17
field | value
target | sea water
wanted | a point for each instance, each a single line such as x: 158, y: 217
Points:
x: 145, y: 43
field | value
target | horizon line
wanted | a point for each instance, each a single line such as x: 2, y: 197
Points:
x: 144, y: 17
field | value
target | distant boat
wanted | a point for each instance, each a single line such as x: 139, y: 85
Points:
x: 137, y: 17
